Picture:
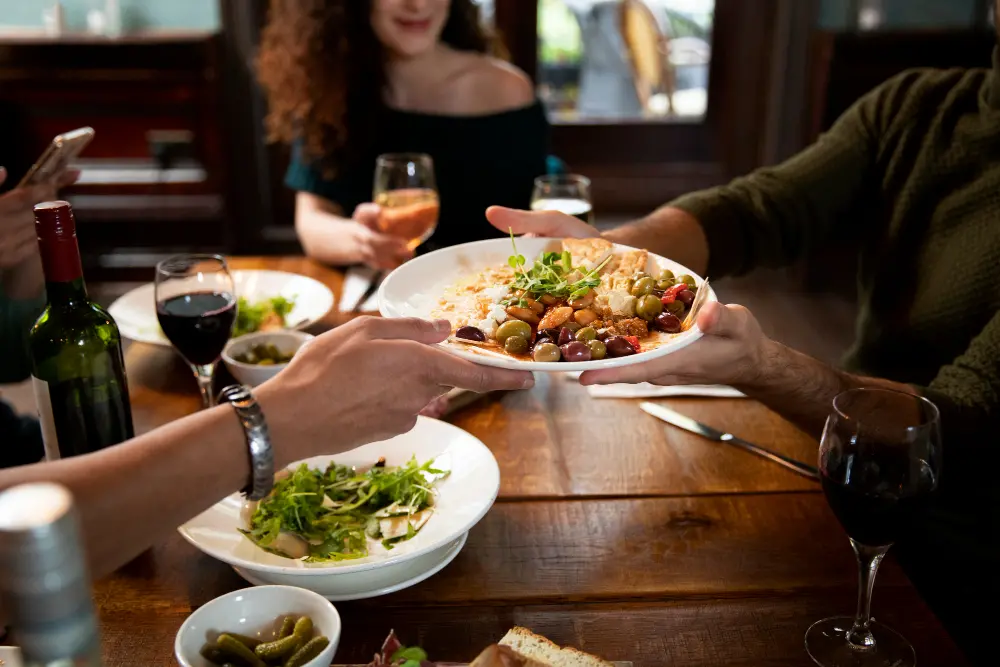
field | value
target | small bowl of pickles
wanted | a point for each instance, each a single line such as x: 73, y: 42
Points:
x: 257, y: 357
x: 264, y: 626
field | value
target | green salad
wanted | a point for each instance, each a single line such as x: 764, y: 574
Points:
x: 265, y: 315
x: 334, y: 514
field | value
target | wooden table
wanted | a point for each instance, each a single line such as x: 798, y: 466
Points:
x: 613, y: 532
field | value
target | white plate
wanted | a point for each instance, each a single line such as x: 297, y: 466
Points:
x: 413, y: 290
x: 369, y: 584
x: 10, y: 656
x: 135, y: 311
x: 463, y: 498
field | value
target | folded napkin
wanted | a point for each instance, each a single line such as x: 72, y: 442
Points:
x: 647, y: 390
x: 357, y: 280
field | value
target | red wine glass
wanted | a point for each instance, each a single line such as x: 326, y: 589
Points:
x: 196, y: 308
x: 879, y: 461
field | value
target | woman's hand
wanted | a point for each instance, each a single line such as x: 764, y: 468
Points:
x: 17, y: 220
x: 367, y: 380
x: 732, y: 351
x: 377, y: 250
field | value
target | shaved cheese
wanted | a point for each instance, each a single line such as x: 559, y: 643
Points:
x: 394, y: 527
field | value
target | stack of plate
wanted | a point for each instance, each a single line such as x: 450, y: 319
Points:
x: 463, y: 499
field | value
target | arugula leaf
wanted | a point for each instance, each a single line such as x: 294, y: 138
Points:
x: 549, y: 275
x: 334, y: 509
x: 412, y: 656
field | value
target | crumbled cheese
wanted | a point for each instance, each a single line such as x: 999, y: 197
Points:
x: 496, y: 294
x: 621, y: 303
x: 488, y: 327
x: 499, y: 313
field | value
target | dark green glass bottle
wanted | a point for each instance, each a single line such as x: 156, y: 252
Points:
x: 78, y: 370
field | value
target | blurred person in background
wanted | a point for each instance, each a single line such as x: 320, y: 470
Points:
x: 909, y: 175
x: 22, y: 298
x: 348, y: 80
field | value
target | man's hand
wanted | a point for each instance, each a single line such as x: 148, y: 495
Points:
x: 547, y: 224
x: 367, y: 380
x: 17, y: 221
x: 377, y: 250
x: 730, y: 352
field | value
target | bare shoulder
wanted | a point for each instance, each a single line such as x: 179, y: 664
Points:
x: 490, y: 85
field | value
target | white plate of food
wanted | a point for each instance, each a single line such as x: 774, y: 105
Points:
x: 267, y: 300
x: 436, y: 483
x: 370, y: 583
x: 551, y: 304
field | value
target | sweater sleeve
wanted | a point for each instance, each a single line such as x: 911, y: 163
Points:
x: 772, y: 216
x: 967, y: 391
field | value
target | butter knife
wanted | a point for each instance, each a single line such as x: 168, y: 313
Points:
x: 683, y: 421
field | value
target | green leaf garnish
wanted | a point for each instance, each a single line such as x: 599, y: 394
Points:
x: 550, y: 275
x: 413, y: 656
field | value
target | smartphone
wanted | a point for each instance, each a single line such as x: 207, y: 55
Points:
x: 64, y: 149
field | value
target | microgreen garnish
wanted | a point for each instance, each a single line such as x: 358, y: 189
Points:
x: 550, y: 274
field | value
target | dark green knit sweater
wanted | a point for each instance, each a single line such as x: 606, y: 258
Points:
x: 911, y: 175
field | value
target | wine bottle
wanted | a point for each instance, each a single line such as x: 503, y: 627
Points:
x: 78, y: 370
x: 44, y: 583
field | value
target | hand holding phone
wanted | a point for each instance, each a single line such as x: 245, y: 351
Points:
x: 64, y: 149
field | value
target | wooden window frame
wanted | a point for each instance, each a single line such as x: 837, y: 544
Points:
x: 638, y: 164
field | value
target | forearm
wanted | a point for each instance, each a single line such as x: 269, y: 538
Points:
x: 24, y: 281
x: 670, y: 232
x: 324, y: 233
x: 131, y: 495
x: 800, y: 388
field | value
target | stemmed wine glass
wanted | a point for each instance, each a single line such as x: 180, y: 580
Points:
x: 196, y: 308
x: 567, y: 193
x: 879, y: 460
x: 405, y: 189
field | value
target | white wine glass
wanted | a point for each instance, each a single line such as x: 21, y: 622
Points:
x: 406, y: 190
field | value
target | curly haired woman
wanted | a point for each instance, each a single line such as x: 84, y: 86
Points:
x: 348, y: 80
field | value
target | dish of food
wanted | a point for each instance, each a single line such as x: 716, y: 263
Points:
x: 269, y: 314
x: 264, y: 354
x: 530, y: 303
x: 267, y: 300
x: 293, y: 644
x: 520, y: 647
x: 343, y: 513
x: 460, y: 500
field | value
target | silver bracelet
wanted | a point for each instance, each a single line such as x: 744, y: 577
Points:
x: 258, y: 439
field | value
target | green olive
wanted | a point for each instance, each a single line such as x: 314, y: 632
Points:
x: 515, y: 345
x: 513, y: 328
x: 664, y: 284
x: 642, y: 286
x: 648, y: 307
x: 675, y: 307
x: 597, y: 349
x: 546, y: 352
x: 666, y: 274
x: 586, y: 333
x: 688, y: 280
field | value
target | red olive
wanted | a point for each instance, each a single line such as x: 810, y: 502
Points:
x: 471, y: 333
x: 686, y: 297
x: 618, y: 346
x: 668, y: 322
x: 565, y: 336
x: 575, y: 351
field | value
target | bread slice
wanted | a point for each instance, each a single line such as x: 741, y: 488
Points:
x: 539, y: 649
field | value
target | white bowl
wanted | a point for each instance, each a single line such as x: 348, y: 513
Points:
x: 463, y: 499
x: 256, y: 612
x: 414, y: 290
x: 135, y: 311
x: 287, y: 341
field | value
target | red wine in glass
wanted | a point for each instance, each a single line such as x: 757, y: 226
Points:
x: 198, y: 324
x: 196, y: 308
x: 880, y: 457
